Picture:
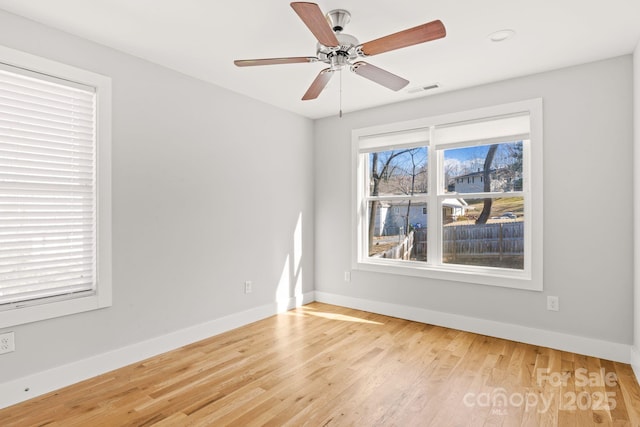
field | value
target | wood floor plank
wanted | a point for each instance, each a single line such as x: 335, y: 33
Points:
x: 323, y: 365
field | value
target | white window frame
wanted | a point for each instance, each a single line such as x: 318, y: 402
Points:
x: 530, y: 278
x: 21, y: 313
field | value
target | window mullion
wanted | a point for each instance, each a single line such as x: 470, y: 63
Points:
x: 434, y: 251
x: 494, y: 195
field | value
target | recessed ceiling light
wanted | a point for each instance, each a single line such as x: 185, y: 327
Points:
x: 501, y: 35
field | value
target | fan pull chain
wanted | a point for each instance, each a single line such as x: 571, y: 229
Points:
x: 340, y: 93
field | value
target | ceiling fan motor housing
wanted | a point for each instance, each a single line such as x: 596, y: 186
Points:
x: 338, y: 56
x: 341, y: 55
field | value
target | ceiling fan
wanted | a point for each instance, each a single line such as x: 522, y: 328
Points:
x: 339, y: 50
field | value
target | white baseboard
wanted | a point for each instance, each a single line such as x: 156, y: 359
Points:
x: 28, y: 387
x: 575, y: 344
x: 635, y: 361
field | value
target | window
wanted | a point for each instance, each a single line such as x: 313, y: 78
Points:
x: 55, y: 204
x: 455, y: 197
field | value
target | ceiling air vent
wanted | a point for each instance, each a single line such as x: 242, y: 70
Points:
x: 423, y: 88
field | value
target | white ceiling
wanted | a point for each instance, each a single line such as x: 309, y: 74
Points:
x: 202, y: 38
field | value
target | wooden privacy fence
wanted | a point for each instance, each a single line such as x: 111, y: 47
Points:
x: 501, y: 239
x: 505, y: 239
x: 401, y: 251
x: 420, y: 245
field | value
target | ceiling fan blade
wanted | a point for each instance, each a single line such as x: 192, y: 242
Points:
x: 422, y: 33
x: 378, y: 75
x: 274, y: 61
x: 318, y: 84
x: 315, y: 20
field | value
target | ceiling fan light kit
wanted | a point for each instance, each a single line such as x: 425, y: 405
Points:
x: 339, y: 50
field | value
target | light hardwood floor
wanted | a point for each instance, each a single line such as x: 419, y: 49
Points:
x: 322, y: 365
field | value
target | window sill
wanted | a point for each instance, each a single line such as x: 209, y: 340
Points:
x: 51, y: 309
x: 478, y: 275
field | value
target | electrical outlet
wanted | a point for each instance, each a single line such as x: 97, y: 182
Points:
x: 248, y: 287
x: 7, y: 343
x: 347, y: 276
x: 553, y: 303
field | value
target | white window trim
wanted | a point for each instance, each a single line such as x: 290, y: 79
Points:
x: 531, y: 278
x: 103, y: 294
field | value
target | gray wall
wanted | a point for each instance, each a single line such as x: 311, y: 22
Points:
x: 636, y: 202
x: 588, y: 238
x: 208, y: 187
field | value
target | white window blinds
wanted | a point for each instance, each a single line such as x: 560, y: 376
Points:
x: 507, y: 128
x: 47, y: 188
